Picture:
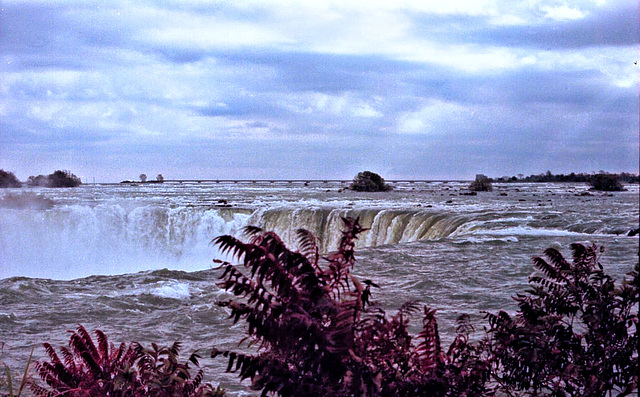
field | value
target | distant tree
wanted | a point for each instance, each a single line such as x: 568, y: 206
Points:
x: 8, y: 179
x: 143, y: 177
x: 63, y: 179
x: 368, y: 181
x: 481, y: 184
x: 160, y: 178
x: 40, y: 180
x: 56, y: 179
x: 629, y: 178
x: 606, y: 182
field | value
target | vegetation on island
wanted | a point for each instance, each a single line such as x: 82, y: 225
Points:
x: 8, y: 179
x: 599, y: 181
x: 319, y: 332
x: 144, y: 179
x: 56, y: 179
x: 481, y: 184
x: 368, y: 181
x: 606, y: 183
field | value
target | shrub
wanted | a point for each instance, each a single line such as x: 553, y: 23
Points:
x: 90, y: 369
x: 318, y: 337
x: 575, y: 332
x: 40, y: 180
x: 8, y: 179
x: 63, y: 179
x: 481, y: 184
x: 318, y: 333
x: 56, y: 179
x: 606, y: 182
x: 368, y: 181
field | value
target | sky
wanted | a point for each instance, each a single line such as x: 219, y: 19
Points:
x: 409, y: 89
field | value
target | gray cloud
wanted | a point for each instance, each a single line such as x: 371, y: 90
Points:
x: 613, y: 25
x: 254, y: 91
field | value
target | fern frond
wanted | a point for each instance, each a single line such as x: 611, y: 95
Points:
x: 83, y: 347
x: 557, y: 259
x: 230, y: 245
x: 551, y: 270
x: 429, y: 349
x: 103, y: 348
x: 251, y: 230
x: 308, y: 246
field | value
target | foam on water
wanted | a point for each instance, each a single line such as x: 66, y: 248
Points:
x: 173, y: 290
x: 529, y: 231
x: 70, y: 233
x: 458, y: 254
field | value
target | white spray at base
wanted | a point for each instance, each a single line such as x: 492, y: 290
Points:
x: 76, y: 241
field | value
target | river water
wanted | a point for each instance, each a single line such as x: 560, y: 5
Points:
x: 136, y: 261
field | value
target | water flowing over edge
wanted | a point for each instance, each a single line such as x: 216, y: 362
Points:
x: 76, y: 240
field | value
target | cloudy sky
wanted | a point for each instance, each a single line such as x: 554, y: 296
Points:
x: 411, y: 89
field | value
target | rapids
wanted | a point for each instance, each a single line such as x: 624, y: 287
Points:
x: 136, y: 261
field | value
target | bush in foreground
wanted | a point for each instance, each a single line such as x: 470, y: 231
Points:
x: 318, y: 337
x: 90, y: 369
x: 368, y: 181
x: 575, y: 332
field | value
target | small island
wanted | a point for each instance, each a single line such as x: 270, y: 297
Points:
x: 481, y: 184
x: 368, y: 181
x: 58, y: 178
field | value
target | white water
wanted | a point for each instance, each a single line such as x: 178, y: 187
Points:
x: 458, y: 254
x: 71, y: 233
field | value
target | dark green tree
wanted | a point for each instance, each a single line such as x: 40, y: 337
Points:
x: 63, y: 179
x: 56, y: 179
x: 481, y: 184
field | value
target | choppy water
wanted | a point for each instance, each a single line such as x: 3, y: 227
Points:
x: 98, y: 255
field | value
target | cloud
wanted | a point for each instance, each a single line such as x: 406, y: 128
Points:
x: 319, y: 88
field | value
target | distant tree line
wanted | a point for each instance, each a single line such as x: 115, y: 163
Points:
x: 58, y: 178
x: 572, y: 177
x: 143, y: 179
x: 603, y: 181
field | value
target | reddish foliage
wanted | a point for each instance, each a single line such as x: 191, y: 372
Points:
x: 87, y: 370
x: 316, y: 335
